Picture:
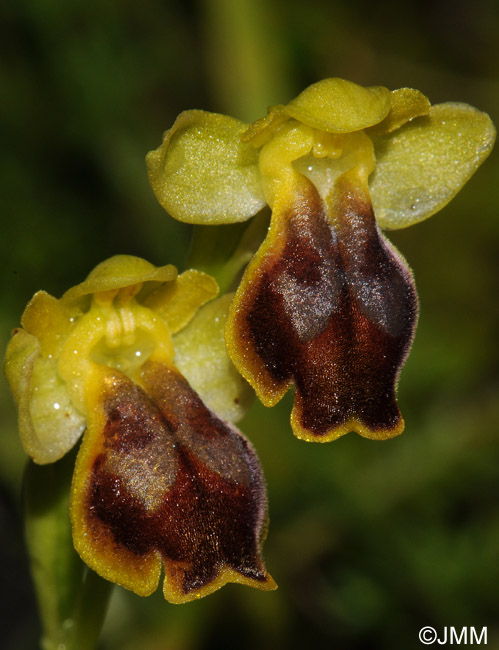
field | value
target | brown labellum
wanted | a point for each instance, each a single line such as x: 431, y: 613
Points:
x: 170, y: 482
x: 330, y: 307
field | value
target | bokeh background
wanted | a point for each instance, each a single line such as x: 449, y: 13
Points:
x: 368, y: 541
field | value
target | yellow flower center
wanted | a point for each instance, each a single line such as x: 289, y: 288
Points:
x: 116, y: 332
x: 320, y: 156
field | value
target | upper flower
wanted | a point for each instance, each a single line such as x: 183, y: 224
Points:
x: 326, y: 303
x: 160, y: 479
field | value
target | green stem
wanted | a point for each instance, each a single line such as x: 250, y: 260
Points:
x: 246, y: 56
x: 72, y: 599
x: 248, y: 70
x: 223, y: 252
x: 212, y: 246
x: 90, y: 611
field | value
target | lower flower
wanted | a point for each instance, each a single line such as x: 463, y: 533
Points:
x: 160, y: 479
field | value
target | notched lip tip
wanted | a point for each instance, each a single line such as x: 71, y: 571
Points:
x: 351, y: 426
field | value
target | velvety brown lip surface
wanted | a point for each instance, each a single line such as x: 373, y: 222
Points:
x: 174, y: 478
x: 334, y: 312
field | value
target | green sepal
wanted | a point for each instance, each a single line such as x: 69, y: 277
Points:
x: 201, y: 345
x: 203, y: 173
x: 49, y: 425
x: 339, y: 106
x: 421, y: 166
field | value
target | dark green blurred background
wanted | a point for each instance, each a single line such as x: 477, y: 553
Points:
x: 368, y: 541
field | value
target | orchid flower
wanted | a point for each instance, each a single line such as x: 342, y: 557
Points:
x: 326, y: 304
x: 160, y: 478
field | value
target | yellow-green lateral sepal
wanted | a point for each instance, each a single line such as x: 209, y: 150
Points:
x: 202, y: 173
x: 22, y: 351
x: 178, y: 301
x: 118, y: 272
x: 49, y: 424
x: 421, y: 166
x: 201, y: 345
x: 339, y: 106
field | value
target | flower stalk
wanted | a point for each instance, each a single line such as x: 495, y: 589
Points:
x: 72, y: 598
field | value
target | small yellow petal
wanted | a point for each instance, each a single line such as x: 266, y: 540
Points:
x: 339, y: 106
x: 405, y: 105
x: 261, y: 131
x: 178, y: 301
x: 422, y: 166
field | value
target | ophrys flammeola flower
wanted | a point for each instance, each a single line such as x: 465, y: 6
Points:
x: 326, y: 303
x: 161, y: 480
